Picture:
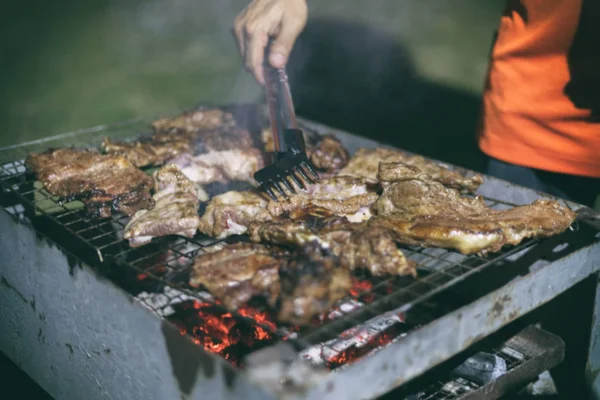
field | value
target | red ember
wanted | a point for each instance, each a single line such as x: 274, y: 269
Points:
x: 360, y: 286
x: 220, y: 332
x: 354, y: 353
x: 235, y: 336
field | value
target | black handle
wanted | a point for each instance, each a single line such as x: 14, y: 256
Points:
x: 275, y: 107
x: 281, y: 106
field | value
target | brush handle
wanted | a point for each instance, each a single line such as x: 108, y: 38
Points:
x: 281, y: 107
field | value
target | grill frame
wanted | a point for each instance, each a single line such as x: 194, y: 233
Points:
x: 352, y: 143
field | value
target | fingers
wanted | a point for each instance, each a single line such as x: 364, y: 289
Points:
x: 280, y: 19
x: 284, y: 42
x: 255, y: 44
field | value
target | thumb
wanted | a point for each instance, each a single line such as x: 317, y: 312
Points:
x: 282, y: 45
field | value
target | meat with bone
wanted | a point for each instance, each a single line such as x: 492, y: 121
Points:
x: 175, y: 209
x: 365, y: 164
x: 236, y: 273
x: 311, y: 283
x: 104, y: 183
x: 422, y: 211
x: 358, y: 245
x: 325, y: 152
x: 340, y: 195
x: 230, y: 213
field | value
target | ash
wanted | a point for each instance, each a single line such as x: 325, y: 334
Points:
x: 161, y: 304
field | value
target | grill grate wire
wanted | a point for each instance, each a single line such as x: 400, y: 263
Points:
x: 168, y: 260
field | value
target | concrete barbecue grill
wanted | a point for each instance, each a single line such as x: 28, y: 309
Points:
x: 87, y: 316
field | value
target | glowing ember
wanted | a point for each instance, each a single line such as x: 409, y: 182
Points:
x: 360, y: 286
x: 260, y: 317
x: 235, y: 335
x: 221, y: 332
x: 355, y: 352
x: 357, y: 342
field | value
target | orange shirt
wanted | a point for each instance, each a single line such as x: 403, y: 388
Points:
x: 540, y: 103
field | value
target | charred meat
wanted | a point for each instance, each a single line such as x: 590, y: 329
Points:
x: 422, y: 211
x: 374, y: 249
x: 222, y: 140
x: 357, y: 245
x: 104, y: 183
x: 201, y: 119
x: 163, y: 147
x: 230, y: 213
x: 342, y: 196
x: 311, y: 283
x: 239, y: 272
x: 207, y: 130
x: 365, y: 164
x: 221, y: 166
x: 175, y: 209
x: 152, y: 152
x: 327, y: 153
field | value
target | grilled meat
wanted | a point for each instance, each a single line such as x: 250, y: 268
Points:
x: 325, y: 152
x: 239, y: 272
x: 155, y: 151
x: 194, y: 120
x: 365, y: 164
x: 162, y: 147
x: 223, y: 139
x: 230, y: 213
x: 104, y: 183
x: 374, y: 249
x: 221, y: 166
x: 358, y: 245
x: 424, y: 212
x: 343, y: 196
x: 311, y: 283
x: 170, y: 179
x: 195, y: 132
x: 207, y: 130
x: 175, y: 209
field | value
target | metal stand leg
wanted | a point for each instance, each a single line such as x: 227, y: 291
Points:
x: 592, y: 368
x: 570, y: 317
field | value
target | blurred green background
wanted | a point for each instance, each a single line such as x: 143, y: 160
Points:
x: 407, y: 72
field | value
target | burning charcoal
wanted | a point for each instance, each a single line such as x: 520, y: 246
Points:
x: 357, y: 342
x: 242, y: 332
x: 219, y: 331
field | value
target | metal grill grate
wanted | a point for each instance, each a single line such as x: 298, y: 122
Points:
x: 168, y: 260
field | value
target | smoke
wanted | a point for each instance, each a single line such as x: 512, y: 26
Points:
x: 188, y: 39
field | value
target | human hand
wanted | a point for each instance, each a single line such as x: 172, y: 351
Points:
x: 281, y: 20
